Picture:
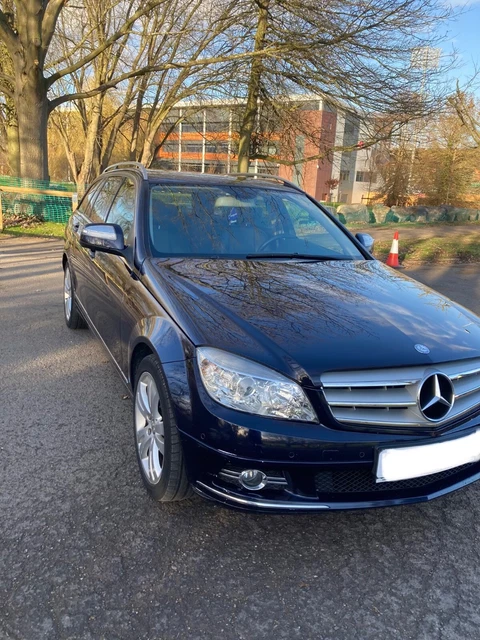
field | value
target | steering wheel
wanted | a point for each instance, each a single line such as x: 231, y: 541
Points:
x: 282, y: 236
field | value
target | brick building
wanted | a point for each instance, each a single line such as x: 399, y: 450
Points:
x: 205, y: 140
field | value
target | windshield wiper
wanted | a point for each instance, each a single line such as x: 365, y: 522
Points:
x: 292, y: 256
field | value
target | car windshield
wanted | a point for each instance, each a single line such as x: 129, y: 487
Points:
x: 242, y: 222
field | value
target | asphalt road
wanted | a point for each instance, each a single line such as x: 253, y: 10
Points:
x: 85, y: 554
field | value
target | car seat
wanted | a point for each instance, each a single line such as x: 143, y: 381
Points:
x: 242, y: 234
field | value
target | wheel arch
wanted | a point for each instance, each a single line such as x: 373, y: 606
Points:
x: 141, y: 350
x: 160, y: 337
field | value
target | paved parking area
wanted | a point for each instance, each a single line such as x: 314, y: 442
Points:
x: 84, y: 554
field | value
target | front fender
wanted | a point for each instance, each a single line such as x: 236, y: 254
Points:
x: 163, y: 338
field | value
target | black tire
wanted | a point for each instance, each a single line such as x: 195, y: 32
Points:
x: 173, y: 484
x: 73, y: 317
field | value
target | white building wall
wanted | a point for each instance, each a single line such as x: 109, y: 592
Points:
x: 354, y: 169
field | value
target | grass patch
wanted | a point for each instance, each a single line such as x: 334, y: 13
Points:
x: 41, y: 230
x: 458, y: 249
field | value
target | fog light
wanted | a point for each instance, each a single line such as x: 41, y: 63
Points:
x: 252, y: 479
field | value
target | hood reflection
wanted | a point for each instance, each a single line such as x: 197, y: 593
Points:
x: 323, y: 315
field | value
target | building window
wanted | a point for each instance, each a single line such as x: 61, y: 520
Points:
x: 190, y: 127
x: 344, y: 175
x: 350, y: 127
x: 192, y: 147
x: 216, y: 147
x: 192, y: 166
x: 366, y: 176
x: 169, y: 147
x: 217, y: 126
x: 165, y: 165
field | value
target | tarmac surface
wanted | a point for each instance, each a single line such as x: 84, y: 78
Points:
x: 85, y: 554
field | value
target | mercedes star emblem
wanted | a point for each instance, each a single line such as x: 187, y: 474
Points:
x: 436, y: 397
x: 421, y: 348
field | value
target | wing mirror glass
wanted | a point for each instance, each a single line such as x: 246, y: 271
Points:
x: 366, y: 240
x: 103, y: 237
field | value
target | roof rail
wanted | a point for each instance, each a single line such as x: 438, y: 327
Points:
x: 128, y: 165
x: 267, y: 176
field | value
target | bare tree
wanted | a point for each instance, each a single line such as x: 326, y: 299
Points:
x: 394, y: 164
x: 158, y: 52
x: 357, y: 53
x: 467, y: 109
x: 138, y: 108
x: 255, y: 83
x: 28, y: 27
x: 8, y: 113
x: 447, y: 160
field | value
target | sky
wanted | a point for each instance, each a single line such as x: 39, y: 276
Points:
x: 464, y: 37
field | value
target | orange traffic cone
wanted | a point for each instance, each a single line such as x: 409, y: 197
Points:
x: 392, y: 260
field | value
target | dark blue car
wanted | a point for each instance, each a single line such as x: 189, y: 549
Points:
x: 274, y: 363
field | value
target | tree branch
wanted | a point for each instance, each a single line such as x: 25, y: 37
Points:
x: 202, y: 62
x: 457, y: 101
x: 49, y: 22
x: 6, y: 89
x: 124, y: 30
x: 6, y: 78
x: 318, y: 156
x: 7, y: 34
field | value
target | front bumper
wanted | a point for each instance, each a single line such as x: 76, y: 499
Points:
x: 312, y: 486
x: 324, y: 466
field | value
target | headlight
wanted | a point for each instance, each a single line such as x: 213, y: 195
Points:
x: 244, y: 385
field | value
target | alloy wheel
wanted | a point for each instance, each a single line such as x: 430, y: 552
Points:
x: 67, y: 293
x: 149, y: 428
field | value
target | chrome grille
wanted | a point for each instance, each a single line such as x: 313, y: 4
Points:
x: 388, y: 397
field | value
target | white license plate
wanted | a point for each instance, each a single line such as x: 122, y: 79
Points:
x: 413, y: 462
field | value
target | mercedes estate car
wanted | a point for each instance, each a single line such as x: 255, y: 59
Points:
x: 274, y: 363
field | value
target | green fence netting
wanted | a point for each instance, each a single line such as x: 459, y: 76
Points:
x: 40, y: 199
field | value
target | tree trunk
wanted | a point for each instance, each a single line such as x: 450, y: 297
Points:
x: 135, y: 141
x: 72, y: 161
x: 113, y: 136
x: 13, y: 140
x: 31, y: 102
x: 32, y: 113
x: 13, y: 149
x: 251, y: 110
x: 90, y: 165
x: 148, y: 151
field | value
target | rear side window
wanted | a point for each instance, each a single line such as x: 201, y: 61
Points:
x: 123, y: 208
x: 106, y: 193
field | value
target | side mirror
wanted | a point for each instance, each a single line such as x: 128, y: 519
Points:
x: 366, y: 240
x: 103, y: 237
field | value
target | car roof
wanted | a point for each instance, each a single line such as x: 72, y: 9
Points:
x: 158, y: 176
x: 184, y: 177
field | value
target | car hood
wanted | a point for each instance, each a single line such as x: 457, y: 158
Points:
x: 304, y: 318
